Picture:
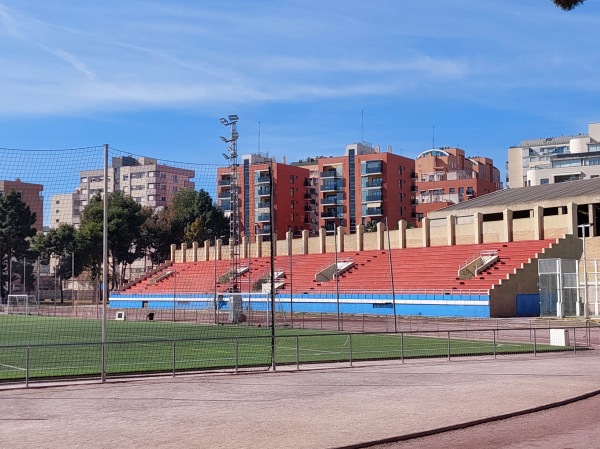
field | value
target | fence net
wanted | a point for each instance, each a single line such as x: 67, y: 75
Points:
x: 189, y: 290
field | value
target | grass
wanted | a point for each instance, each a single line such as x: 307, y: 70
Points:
x: 58, y: 347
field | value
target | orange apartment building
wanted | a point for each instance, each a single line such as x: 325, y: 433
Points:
x: 31, y: 194
x: 444, y: 176
x: 290, y: 189
x: 364, y: 187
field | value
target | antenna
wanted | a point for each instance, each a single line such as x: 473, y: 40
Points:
x: 362, y: 125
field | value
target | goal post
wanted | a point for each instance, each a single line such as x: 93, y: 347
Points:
x: 22, y: 305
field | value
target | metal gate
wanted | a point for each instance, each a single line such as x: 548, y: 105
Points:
x: 559, y: 287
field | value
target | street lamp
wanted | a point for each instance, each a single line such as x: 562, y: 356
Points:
x: 583, y: 228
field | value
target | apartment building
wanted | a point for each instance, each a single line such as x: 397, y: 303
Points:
x: 365, y: 186
x: 252, y: 182
x: 149, y: 183
x: 550, y: 160
x: 445, y: 176
x: 31, y: 195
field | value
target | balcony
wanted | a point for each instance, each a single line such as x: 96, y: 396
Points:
x: 332, y: 200
x: 371, y: 168
x: 224, y: 182
x: 331, y: 187
x: 225, y: 206
x: 372, y: 197
x: 264, y: 230
x: 263, y: 205
x: 224, y: 195
x: 331, y: 214
x: 372, y: 183
x: 263, y: 180
x: 263, y: 218
x: 331, y: 174
x: 263, y: 191
x: 372, y: 212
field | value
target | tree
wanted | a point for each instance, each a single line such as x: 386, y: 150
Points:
x: 125, y: 243
x: 16, y: 229
x: 568, y: 5
x: 194, y: 218
x: 156, y: 237
x: 62, y: 245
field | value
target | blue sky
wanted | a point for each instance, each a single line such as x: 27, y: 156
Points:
x: 154, y: 77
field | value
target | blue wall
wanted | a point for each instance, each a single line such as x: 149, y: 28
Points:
x: 434, y: 305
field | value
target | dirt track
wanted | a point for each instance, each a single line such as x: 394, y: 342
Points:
x: 306, y: 409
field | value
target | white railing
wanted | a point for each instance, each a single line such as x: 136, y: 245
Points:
x: 482, y: 260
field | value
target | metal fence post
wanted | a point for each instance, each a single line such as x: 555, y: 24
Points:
x: 27, y: 366
x: 174, y: 358
x: 534, y: 342
x: 363, y: 322
x: 494, y: 332
x: 575, y: 340
x: 297, y: 352
x: 350, y: 339
x: 236, y: 354
x: 402, y: 346
x: 448, y: 345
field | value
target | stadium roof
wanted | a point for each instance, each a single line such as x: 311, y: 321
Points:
x: 567, y: 191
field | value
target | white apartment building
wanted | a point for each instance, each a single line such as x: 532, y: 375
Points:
x: 147, y: 182
x: 555, y: 159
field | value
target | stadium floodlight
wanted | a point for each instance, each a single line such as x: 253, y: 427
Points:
x: 234, y: 225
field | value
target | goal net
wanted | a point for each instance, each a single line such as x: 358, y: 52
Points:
x: 22, y: 305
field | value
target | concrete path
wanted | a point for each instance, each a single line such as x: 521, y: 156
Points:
x: 317, y: 408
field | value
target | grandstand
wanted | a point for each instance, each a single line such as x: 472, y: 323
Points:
x: 426, y: 280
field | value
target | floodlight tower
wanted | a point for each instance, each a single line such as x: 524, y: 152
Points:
x: 234, y: 221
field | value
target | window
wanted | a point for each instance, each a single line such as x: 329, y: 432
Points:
x: 174, y: 178
x: 163, y: 175
x: 452, y: 190
x: 84, y: 179
x: 163, y: 198
x: 544, y: 181
x: 57, y: 201
x: 174, y: 189
x: 291, y: 179
x: 152, y: 174
x: 292, y: 216
x: 152, y: 185
x: 470, y: 191
x: 292, y: 191
x: 461, y: 190
x: 125, y: 177
x: 137, y: 199
x: 58, y: 211
x: 292, y: 204
x: 151, y: 197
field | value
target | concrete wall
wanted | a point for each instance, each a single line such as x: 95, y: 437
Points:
x: 525, y: 279
x: 459, y: 230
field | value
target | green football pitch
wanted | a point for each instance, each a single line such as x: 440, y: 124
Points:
x: 42, y: 347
